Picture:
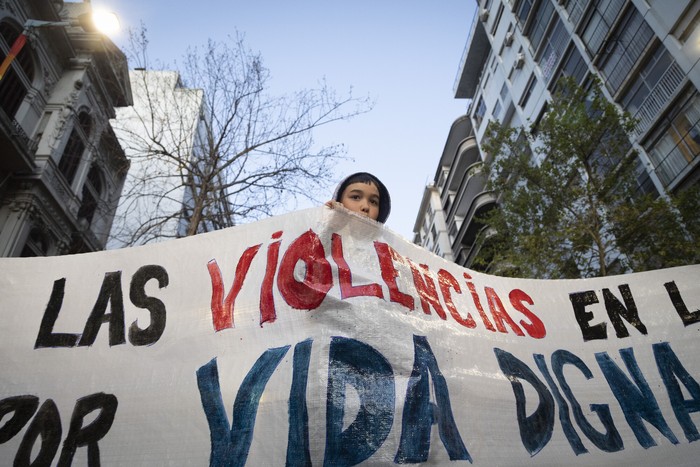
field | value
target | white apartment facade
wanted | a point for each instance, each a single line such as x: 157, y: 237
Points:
x: 166, y: 118
x: 645, y: 52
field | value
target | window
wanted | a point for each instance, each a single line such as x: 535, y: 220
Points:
x: 504, y: 91
x: 554, y: 46
x: 606, y: 156
x: 522, y: 10
x: 443, y: 177
x: 576, y: 8
x: 599, y: 23
x: 508, y: 114
x: 71, y: 156
x: 528, y: 90
x: 19, y: 76
x: 497, y: 20
x: 573, y: 66
x: 37, y: 244
x: 454, y: 230
x: 679, y: 143
x: 538, y: 120
x: 498, y: 106
x: 92, y: 193
x: 688, y: 22
x: 658, y: 66
x: 480, y: 111
x: 542, y: 16
x: 75, y: 147
x: 485, y: 83
x: 644, y: 184
x: 624, y: 48
x: 497, y: 110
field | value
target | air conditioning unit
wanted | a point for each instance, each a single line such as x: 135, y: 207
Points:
x: 484, y: 15
x: 508, y: 39
x: 519, y: 60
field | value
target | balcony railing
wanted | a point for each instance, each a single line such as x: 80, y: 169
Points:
x: 659, y: 97
x: 18, y: 133
x: 16, y: 147
x: 676, y: 160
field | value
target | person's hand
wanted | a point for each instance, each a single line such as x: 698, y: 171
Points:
x: 333, y: 204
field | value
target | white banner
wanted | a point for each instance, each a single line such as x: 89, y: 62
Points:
x: 322, y: 338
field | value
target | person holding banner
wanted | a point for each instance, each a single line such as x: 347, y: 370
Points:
x: 364, y: 194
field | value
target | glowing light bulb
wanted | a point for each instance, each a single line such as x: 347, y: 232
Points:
x: 105, y: 21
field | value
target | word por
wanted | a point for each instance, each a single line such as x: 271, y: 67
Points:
x: 47, y: 425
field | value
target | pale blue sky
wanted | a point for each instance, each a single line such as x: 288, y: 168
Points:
x: 403, y: 54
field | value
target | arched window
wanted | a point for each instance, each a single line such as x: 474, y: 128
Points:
x: 75, y: 147
x: 37, y: 244
x: 19, y: 77
x: 92, y: 193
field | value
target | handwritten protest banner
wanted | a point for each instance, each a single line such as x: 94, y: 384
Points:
x: 322, y: 338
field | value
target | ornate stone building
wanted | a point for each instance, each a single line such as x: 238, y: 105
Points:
x: 61, y: 166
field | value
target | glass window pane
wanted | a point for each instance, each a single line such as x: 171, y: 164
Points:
x: 624, y: 48
x: 543, y: 15
x: 600, y: 22
x: 679, y: 145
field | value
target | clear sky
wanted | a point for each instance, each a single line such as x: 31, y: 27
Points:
x: 403, y: 54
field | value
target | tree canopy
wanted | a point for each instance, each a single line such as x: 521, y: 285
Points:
x: 569, y: 203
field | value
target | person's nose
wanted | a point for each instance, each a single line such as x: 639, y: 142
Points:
x: 365, y: 206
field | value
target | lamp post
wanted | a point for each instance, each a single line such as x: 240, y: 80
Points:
x: 98, y: 21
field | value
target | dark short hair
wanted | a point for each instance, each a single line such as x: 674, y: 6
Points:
x: 365, y: 177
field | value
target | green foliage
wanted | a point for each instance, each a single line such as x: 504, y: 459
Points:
x: 569, y: 204
x: 655, y: 233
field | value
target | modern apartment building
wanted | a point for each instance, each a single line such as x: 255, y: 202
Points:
x: 61, y: 166
x: 646, y: 54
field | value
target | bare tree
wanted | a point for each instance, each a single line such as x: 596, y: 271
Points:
x: 210, y: 147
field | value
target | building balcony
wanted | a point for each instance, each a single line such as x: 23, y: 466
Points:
x: 472, y: 182
x: 479, y: 206
x: 470, y: 253
x: 467, y: 154
x: 472, y: 202
x: 659, y: 98
x: 16, y: 147
x: 473, y: 59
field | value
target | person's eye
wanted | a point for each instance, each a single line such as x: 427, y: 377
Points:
x: 374, y: 202
x: 354, y: 197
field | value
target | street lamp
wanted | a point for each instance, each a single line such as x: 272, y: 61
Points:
x: 105, y: 21
x: 98, y: 21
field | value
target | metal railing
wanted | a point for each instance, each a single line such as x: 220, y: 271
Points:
x: 659, y: 97
x: 19, y: 134
x: 676, y: 160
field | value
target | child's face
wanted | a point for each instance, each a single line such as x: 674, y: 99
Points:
x: 362, y: 198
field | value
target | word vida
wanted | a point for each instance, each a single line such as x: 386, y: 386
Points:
x: 434, y: 291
